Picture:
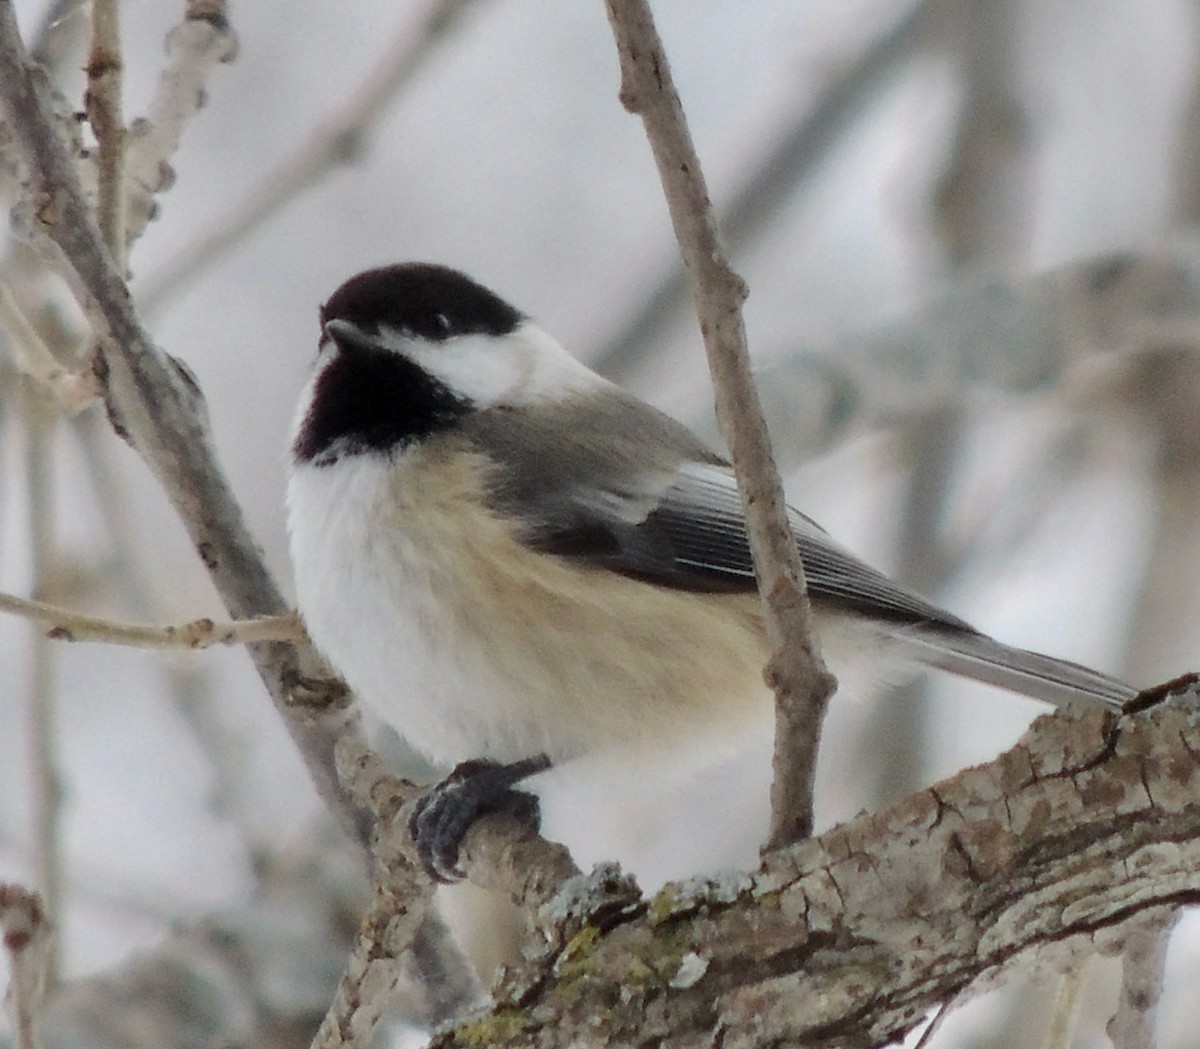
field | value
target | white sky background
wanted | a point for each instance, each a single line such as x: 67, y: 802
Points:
x: 511, y: 158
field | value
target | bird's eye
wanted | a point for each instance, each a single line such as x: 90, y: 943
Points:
x: 443, y: 322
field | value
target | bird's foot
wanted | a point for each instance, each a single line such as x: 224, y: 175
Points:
x: 443, y: 815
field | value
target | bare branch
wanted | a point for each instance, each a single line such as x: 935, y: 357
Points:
x: 502, y: 853
x: 71, y: 391
x: 340, y: 139
x: 27, y: 941
x: 42, y: 697
x: 851, y: 937
x: 155, y: 404
x: 102, y: 103
x: 1067, y: 1000
x: 802, y: 684
x: 401, y: 897
x: 1143, y: 966
x: 1053, y: 333
x: 195, y: 47
x: 66, y: 625
x: 776, y: 179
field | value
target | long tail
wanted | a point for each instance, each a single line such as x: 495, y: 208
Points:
x: 981, y: 658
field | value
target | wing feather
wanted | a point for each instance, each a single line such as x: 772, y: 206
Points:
x: 654, y: 504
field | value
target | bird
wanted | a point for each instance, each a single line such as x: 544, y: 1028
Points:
x: 517, y: 563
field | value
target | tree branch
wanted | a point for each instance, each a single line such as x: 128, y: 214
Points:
x: 1143, y: 967
x: 71, y: 391
x: 195, y: 47
x: 155, y: 405
x: 400, y: 899
x: 850, y: 938
x: 102, y: 103
x: 801, y: 683
x: 776, y: 179
x: 339, y: 139
x: 66, y: 625
x: 1053, y: 333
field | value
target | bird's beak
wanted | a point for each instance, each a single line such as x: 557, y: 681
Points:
x: 349, y: 336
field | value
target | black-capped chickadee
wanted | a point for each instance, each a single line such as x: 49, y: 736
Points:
x: 515, y: 563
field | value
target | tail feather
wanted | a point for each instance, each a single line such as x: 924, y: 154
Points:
x: 980, y: 658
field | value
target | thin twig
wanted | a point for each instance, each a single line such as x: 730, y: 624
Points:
x: 189, y: 686
x: 66, y: 625
x: 935, y: 1024
x: 1064, y: 1017
x: 102, y: 103
x: 27, y: 937
x: 341, y: 138
x: 47, y: 794
x: 1143, y: 966
x: 801, y: 683
x: 70, y: 390
x: 200, y: 43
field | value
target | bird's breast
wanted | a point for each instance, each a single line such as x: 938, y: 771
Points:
x: 472, y: 645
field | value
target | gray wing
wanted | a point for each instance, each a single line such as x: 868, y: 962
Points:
x: 653, y: 503
x: 697, y: 536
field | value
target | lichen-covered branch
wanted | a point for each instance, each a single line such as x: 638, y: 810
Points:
x: 851, y: 938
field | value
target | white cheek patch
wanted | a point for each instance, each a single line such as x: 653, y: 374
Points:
x: 521, y: 368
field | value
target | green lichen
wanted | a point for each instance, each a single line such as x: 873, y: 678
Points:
x: 581, y: 943
x: 498, y: 1026
x: 665, y: 904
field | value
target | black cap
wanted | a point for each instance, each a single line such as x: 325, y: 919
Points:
x: 433, y: 302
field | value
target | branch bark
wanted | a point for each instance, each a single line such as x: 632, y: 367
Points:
x: 851, y: 937
x: 102, y: 103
